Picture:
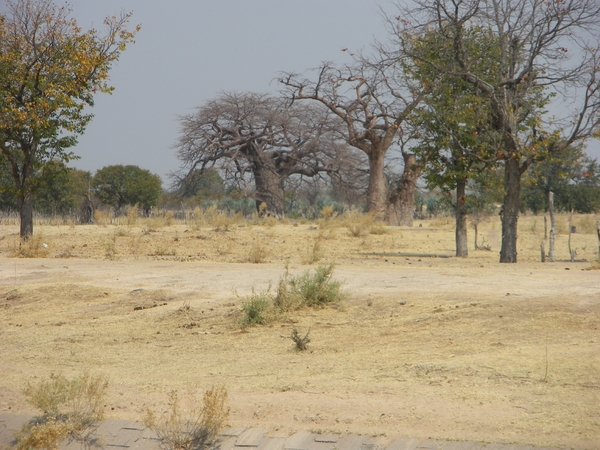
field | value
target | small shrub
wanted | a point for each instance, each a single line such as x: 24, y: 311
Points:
x: 71, y: 409
x: 257, y: 310
x: 317, y: 289
x: 301, y: 342
x: 314, y: 290
x: 193, y: 426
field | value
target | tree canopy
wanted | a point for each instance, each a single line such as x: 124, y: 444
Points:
x: 119, y: 185
x: 50, y: 71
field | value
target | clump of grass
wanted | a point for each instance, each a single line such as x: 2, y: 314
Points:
x: 378, y: 228
x: 71, y: 409
x: 110, y: 248
x: 586, y: 224
x: 132, y: 216
x: 314, y: 254
x: 358, y: 224
x: 301, y: 342
x: 258, y: 253
x: 101, y: 218
x: 193, y: 426
x: 161, y: 250
x: 34, y: 247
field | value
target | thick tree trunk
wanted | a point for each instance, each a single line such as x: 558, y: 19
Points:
x: 270, y: 195
x: 377, y: 195
x: 401, y: 205
x: 462, y: 249
x: 25, y: 206
x: 510, y: 210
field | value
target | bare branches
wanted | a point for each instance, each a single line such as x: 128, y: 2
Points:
x: 261, y: 136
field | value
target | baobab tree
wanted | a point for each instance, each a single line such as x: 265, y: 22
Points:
x: 259, y: 138
x: 372, y: 100
x: 547, y: 51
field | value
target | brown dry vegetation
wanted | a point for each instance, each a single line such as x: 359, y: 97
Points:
x: 425, y: 344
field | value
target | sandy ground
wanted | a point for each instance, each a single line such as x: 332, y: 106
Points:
x: 424, y: 345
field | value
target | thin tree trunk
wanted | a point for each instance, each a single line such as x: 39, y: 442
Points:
x: 462, y: 249
x: 25, y: 206
x: 401, y: 205
x: 376, y: 196
x: 510, y: 210
x: 552, y: 226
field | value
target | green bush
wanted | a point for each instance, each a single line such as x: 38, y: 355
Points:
x: 257, y: 310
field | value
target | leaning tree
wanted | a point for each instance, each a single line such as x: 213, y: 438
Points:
x: 260, y: 139
x: 372, y: 99
x: 547, y: 51
x: 50, y: 71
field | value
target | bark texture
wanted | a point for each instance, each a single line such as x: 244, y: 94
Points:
x: 401, y: 205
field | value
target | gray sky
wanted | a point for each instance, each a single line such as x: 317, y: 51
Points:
x: 190, y: 50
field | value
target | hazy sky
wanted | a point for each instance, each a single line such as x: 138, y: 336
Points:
x: 190, y: 50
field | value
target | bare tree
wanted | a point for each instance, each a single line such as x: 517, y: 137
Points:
x: 372, y: 100
x: 545, y: 49
x: 259, y: 139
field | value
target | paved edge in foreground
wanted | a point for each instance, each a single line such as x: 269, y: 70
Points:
x: 127, y: 435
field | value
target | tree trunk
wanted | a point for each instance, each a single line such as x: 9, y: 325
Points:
x: 376, y: 196
x: 552, y: 226
x: 401, y: 205
x: 25, y: 206
x: 462, y: 249
x: 270, y: 195
x: 510, y: 210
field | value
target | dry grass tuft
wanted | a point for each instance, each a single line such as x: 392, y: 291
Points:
x: 358, y: 224
x: 34, y: 247
x: 71, y: 409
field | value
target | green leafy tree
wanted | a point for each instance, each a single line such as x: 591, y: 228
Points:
x: 456, y: 141
x: 62, y: 189
x: 119, y: 185
x: 49, y: 72
x: 573, y: 178
x: 545, y: 48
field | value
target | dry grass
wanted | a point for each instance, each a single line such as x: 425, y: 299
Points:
x: 425, y: 345
x: 34, y: 247
x: 70, y: 409
x: 193, y: 425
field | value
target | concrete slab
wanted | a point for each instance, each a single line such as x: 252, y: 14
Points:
x: 351, y: 442
x: 272, y: 443
x: 299, y: 441
x: 403, y: 444
x: 250, y: 438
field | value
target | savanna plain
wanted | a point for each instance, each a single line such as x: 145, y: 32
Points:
x: 422, y: 345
